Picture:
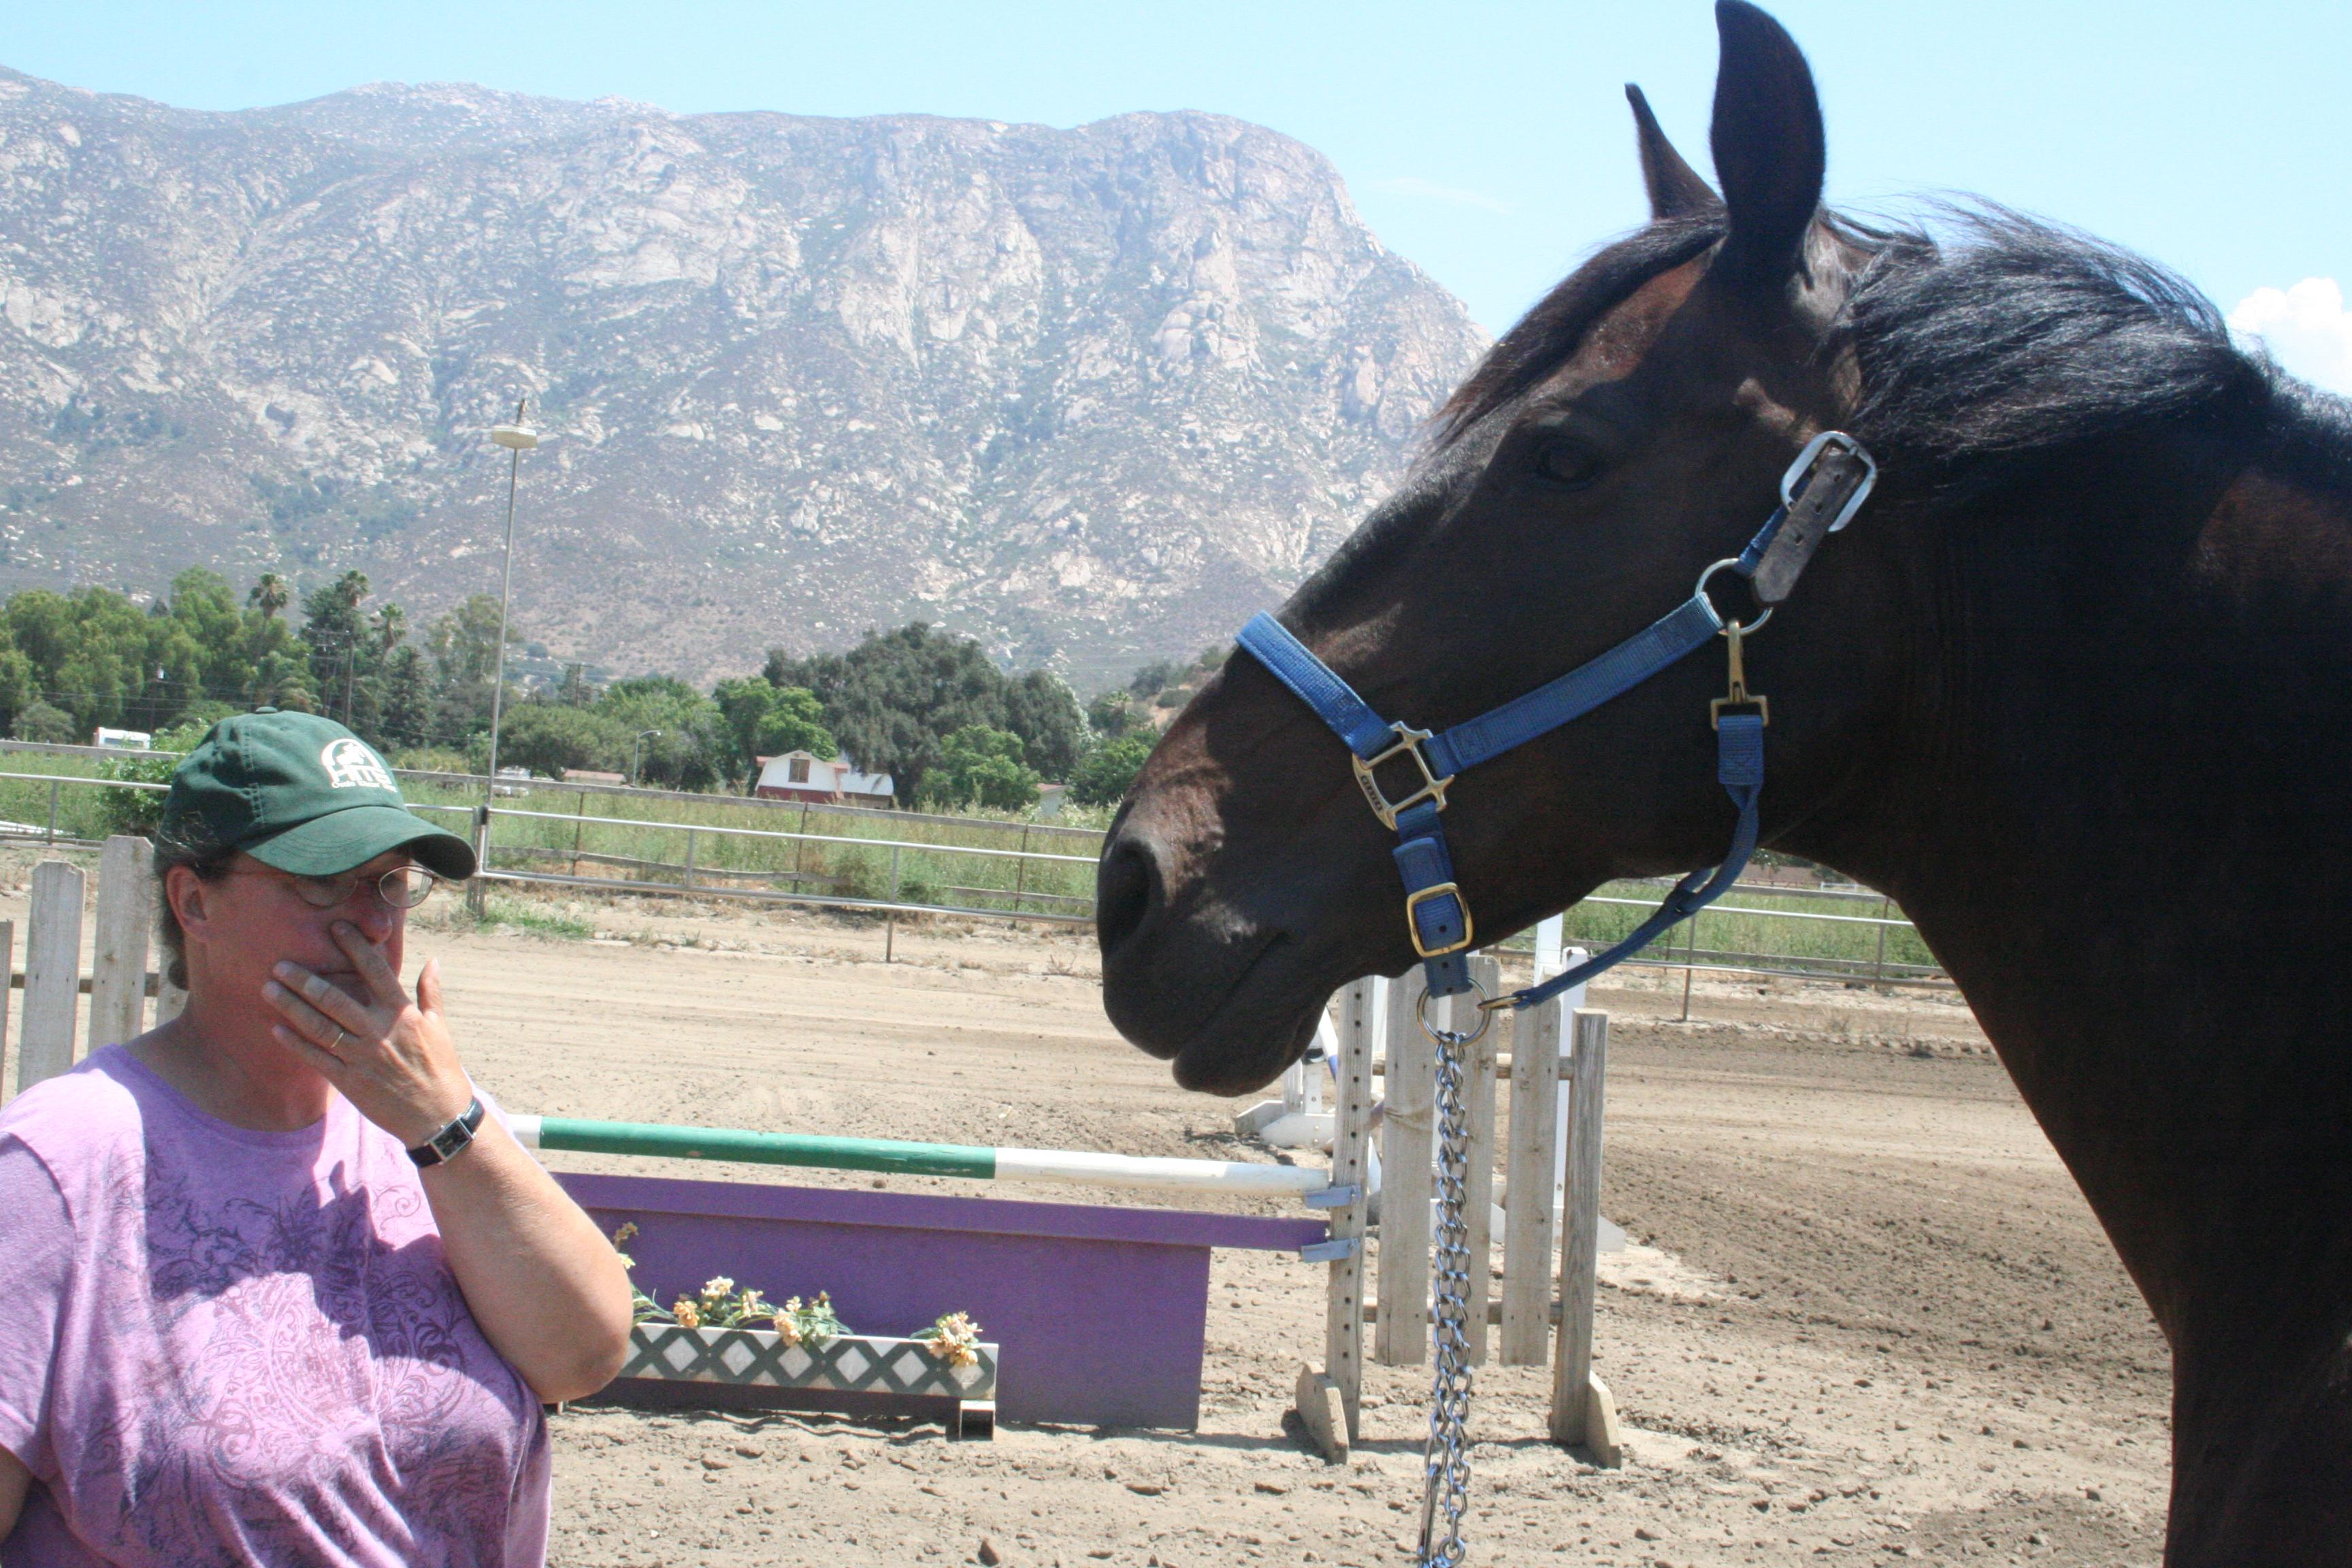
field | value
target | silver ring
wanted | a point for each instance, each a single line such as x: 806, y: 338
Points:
x: 1699, y: 592
x: 342, y: 1034
x: 1452, y: 1037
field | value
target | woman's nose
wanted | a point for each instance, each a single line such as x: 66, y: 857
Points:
x: 368, y: 911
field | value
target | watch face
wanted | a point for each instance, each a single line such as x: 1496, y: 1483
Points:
x: 445, y: 1143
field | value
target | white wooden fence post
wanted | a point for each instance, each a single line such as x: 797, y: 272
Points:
x: 1478, y: 1060
x: 52, y: 973
x: 1581, y: 1409
x: 1407, y: 1132
x: 7, y: 981
x: 1571, y: 1001
x: 1342, y: 1377
x: 1527, y: 1221
x: 1548, y: 941
x: 118, y: 972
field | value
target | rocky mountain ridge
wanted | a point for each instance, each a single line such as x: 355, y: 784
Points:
x: 1091, y: 395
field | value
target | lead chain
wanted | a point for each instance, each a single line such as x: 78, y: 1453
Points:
x: 1445, y: 1462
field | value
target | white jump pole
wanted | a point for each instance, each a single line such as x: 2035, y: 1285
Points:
x: 1063, y: 1166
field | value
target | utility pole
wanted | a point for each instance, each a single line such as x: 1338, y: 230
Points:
x: 517, y: 439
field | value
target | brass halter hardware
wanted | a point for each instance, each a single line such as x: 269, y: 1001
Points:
x: 1739, y: 696
x: 1408, y: 743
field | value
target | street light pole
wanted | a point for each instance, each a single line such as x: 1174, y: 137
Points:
x: 517, y: 439
x: 633, y: 748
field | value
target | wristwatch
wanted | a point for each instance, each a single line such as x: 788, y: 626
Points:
x: 451, y: 1141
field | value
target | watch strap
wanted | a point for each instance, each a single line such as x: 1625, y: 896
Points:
x: 451, y: 1141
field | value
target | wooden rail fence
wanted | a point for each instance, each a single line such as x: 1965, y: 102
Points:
x: 1559, y: 1059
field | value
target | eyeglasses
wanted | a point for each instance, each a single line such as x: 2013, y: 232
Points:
x: 402, y: 887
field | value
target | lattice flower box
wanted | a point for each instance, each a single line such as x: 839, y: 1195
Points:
x: 873, y: 1371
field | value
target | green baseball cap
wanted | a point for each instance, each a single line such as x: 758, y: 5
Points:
x: 304, y: 795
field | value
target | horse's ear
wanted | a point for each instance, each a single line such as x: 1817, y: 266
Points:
x: 1768, y: 144
x: 1676, y: 190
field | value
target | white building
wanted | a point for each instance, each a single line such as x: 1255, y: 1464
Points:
x: 804, y: 775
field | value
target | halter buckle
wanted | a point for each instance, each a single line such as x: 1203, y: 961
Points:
x: 1800, y: 474
x: 1413, y: 903
x: 1409, y: 742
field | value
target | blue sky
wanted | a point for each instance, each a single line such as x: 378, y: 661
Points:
x: 1489, y: 142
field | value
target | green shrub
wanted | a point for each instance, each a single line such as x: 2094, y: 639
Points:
x: 980, y: 767
x: 1104, y: 777
x: 857, y: 875
x: 37, y: 720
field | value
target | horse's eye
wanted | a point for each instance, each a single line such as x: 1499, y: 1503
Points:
x: 1568, y: 463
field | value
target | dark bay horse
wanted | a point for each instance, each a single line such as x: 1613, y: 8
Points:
x: 2075, y: 689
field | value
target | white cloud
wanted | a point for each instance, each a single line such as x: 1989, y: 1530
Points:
x: 1431, y: 191
x: 2307, y: 327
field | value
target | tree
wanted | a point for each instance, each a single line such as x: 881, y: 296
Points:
x: 101, y: 658
x: 339, y: 637
x: 282, y: 680
x: 1112, y: 714
x: 270, y: 594
x: 1153, y: 678
x: 1109, y: 769
x: 576, y: 691
x: 463, y: 645
x: 391, y: 626
x: 695, y: 747
x: 551, y: 739
x: 1041, y: 709
x: 18, y: 687
x: 767, y: 721
x: 795, y: 722
x: 980, y: 767
x: 404, y: 710
x: 53, y: 726
x: 893, y: 699
x: 464, y: 642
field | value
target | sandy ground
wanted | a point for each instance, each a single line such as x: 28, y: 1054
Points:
x: 1866, y: 1317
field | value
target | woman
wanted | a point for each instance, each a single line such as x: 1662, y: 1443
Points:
x: 278, y: 1290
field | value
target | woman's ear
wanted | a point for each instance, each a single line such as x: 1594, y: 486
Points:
x: 189, y: 895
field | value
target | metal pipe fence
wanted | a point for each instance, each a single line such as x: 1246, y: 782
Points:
x: 905, y: 863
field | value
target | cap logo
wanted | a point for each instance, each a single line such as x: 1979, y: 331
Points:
x: 350, y: 765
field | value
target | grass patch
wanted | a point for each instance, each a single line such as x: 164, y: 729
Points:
x: 538, y: 921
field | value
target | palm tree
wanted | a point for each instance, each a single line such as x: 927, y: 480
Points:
x: 391, y: 625
x: 270, y: 594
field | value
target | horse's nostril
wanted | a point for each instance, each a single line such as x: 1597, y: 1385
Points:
x: 1124, y: 884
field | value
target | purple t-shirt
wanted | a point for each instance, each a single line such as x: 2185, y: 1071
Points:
x: 224, y: 1346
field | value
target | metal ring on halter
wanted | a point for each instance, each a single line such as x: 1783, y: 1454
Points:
x: 1752, y: 627
x: 1452, y: 1037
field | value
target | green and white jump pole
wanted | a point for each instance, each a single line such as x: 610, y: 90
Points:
x: 889, y: 1155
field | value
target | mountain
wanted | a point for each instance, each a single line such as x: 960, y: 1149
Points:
x: 1092, y: 395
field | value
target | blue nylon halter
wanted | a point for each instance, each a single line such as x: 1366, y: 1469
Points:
x: 1819, y: 495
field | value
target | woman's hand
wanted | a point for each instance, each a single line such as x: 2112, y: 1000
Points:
x: 541, y: 1280
x: 392, y: 1057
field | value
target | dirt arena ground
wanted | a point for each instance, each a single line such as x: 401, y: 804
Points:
x: 1866, y: 1318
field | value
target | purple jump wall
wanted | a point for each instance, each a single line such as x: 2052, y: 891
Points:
x: 1098, y: 1313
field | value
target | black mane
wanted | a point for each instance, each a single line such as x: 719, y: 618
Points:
x: 1983, y: 354
x: 2017, y: 341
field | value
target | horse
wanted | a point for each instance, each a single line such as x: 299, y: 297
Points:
x: 2074, y: 688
